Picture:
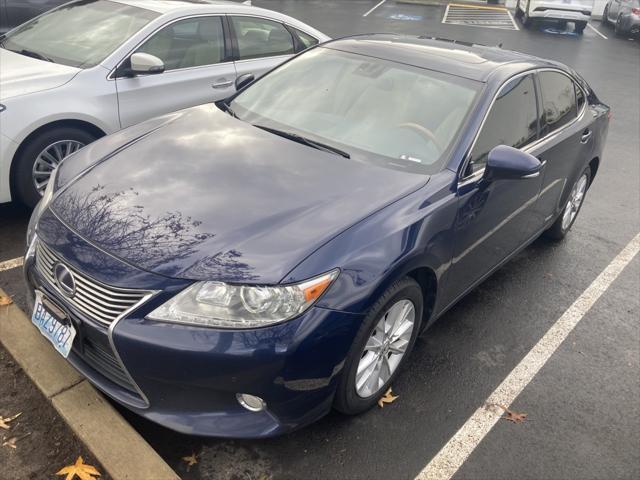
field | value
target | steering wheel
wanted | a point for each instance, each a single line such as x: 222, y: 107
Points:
x: 425, y: 132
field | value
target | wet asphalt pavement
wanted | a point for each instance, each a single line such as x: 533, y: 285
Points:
x: 583, y: 407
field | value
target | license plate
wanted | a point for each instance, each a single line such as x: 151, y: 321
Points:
x: 60, y: 335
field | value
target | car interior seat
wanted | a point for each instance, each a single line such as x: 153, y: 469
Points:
x: 210, y: 48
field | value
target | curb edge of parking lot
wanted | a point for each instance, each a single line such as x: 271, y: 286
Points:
x: 122, y: 452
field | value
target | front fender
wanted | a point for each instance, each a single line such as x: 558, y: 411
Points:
x: 414, y: 232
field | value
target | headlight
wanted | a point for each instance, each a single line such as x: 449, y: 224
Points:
x: 217, y: 304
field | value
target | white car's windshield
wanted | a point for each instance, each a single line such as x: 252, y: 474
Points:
x: 79, y: 34
x: 375, y: 110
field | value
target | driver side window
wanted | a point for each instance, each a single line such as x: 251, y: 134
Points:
x: 192, y: 42
x: 512, y: 121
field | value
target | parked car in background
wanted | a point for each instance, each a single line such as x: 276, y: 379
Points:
x: 562, y: 11
x: 16, y: 12
x: 92, y: 67
x: 624, y: 15
x: 238, y: 269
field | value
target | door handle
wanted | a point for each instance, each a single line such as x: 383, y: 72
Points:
x: 222, y: 84
x: 586, y: 135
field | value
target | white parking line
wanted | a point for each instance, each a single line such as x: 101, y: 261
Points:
x: 451, y: 457
x: 596, y: 30
x: 368, y: 12
x: 11, y: 264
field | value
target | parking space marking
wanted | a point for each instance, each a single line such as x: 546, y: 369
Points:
x: 597, y: 31
x: 11, y: 264
x: 377, y: 5
x: 479, y: 16
x: 451, y: 457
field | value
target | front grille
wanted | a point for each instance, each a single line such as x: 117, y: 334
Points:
x: 97, y: 301
x: 103, y: 361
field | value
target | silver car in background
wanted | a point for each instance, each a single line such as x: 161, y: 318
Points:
x: 92, y: 67
x: 624, y: 15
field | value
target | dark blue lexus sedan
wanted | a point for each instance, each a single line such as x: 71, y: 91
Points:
x: 239, y: 269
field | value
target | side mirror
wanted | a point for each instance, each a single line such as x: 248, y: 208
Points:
x: 145, y: 63
x: 244, y: 80
x: 506, y: 163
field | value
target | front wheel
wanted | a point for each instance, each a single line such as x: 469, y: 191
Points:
x: 563, y: 223
x: 381, y: 347
x: 41, y: 156
x: 605, y: 15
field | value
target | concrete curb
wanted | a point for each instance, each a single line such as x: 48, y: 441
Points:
x: 123, y: 453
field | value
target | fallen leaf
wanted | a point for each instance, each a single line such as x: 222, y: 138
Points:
x: 81, y: 469
x: 388, y: 397
x: 11, y: 443
x: 5, y: 300
x: 4, y: 422
x: 512, y: 416
x: 191, y: 460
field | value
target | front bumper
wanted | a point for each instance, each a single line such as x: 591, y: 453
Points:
x: 186, y: 377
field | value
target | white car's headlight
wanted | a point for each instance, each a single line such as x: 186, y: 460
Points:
x: 217, y: 304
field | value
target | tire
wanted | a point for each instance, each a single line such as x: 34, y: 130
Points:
x: 562, y: 24
x: 605, y: 15
x: 526, y: 20
x: 518, y: 12
x: 579, y: 27
x: 617, y: 28
x: 65, y: 140
x: 560, y: 227
x: 348, y: 399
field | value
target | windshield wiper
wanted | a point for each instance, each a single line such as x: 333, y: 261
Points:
x: 305, y: 141
x: 30, y: 53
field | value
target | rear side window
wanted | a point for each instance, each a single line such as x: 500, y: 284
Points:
x: 558, y: 99
x: 258, y: 38
x: 512, y: 121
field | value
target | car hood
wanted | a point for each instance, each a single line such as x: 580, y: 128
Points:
x: 205, y: 196
x: 21, y: 75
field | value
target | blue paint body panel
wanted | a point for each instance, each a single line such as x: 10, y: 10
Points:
x: 199, y: 195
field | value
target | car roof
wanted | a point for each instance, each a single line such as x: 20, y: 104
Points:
x: 164, y: 6
x: 472, y: 61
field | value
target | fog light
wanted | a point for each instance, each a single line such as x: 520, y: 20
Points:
x: 251, y: 402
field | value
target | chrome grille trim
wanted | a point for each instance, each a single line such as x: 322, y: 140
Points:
x: 102, y: 303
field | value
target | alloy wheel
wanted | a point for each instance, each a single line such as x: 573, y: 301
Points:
x: 385, y: 348
x: 575, y: 200
x: 49, y: 158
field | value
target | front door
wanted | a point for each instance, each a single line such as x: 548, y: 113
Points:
x: 495, y: 217
x: 197, y: 70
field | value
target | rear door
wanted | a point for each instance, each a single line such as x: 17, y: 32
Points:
x: 495, y: 217
x: 198, y: 69
x: 567, y: 140
x: 260, y: 44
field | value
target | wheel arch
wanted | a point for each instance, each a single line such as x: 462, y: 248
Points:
x: 72, y: 123
x: 594, y: 164
x: 428, y: 282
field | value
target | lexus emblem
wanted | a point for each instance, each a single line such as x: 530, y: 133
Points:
x: 64, y: 279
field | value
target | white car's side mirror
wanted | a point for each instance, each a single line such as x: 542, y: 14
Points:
x: 145, y: 63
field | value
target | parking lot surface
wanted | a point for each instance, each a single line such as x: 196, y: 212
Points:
x: 583, y: 412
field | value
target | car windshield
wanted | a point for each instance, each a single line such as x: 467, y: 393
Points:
x: 373, y: 110
x: 79, y: 34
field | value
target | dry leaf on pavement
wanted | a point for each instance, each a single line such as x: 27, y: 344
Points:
x: 11, y: 443
x: 191, y: 460
x: 5, y: 300
x: 388, y: 397
x: 4, y: 422
x: 80, y: 469
x: 512, y: 416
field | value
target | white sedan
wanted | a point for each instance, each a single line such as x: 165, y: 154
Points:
x: 92, y: 67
